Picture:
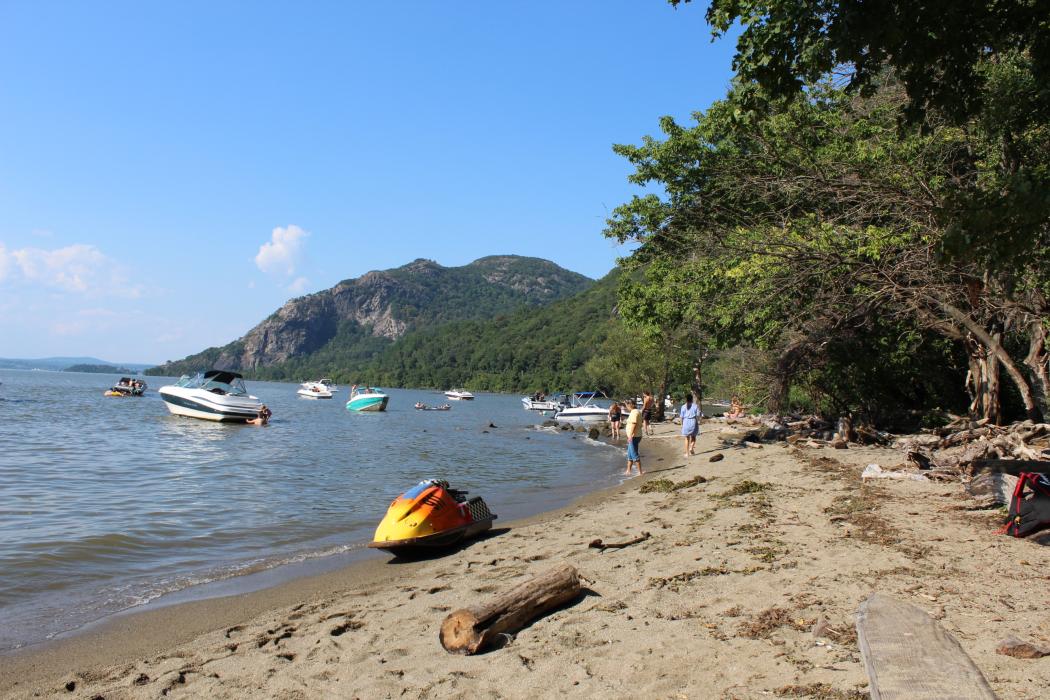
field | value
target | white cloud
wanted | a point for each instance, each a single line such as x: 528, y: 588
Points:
x: 282, y: 253
x: 79, y: 268
x: 299, y: 285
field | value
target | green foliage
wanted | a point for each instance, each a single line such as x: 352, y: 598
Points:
x: 938, y: 48
x: 533, y: 349
x: 812, y: 231
x: 629, y: 363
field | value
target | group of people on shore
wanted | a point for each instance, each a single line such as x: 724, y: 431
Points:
x: 639, y: 423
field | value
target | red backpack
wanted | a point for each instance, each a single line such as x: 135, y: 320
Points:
x: 1029, y: 506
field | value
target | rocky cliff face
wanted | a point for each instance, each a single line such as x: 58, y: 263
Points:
x: 387, y: 304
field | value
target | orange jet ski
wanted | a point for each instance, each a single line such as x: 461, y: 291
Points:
x: 430, y: 515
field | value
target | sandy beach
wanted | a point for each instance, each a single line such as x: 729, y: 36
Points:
x: 746, y: 588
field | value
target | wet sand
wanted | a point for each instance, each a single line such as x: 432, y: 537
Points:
x: 746, y: 588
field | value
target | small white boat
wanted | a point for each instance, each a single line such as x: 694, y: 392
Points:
x: 214, y: 395
x: 314, y: 390
x: 366, y: 399
x: 538, y: 402
x: 328, y: 384
x: 583, y: 410
x: 459, y: 395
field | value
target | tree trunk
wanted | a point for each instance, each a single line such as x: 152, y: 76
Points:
x: 1038, y: 363
x: 984, y: 383
x: 698, y: 377
x: 660, y: 408
x: 470, y: 630
x: 993, y: 347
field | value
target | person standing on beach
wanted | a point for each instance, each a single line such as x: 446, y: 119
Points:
x: 633, y: 431
x: 647, y: 412
x: 690, y: 415
x: 614, y: 420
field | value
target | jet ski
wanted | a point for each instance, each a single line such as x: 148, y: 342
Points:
x: 431, y: 515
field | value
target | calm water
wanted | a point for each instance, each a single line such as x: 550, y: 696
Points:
x: 109, y: 503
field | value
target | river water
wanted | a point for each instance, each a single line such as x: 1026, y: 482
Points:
x: 111, y: 503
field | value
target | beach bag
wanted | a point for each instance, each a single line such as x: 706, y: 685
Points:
x: 1029, y: 506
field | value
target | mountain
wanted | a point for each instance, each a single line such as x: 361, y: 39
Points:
x: 60, y: 363
x: 533, y: 349
x: 355, y: 321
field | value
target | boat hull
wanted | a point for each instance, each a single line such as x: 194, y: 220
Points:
x: 195, y: 403
x: 307, y: 394
x: 570, y: 417
x: 531, y: 405
x: 367, y: 404
x: 439, y: 540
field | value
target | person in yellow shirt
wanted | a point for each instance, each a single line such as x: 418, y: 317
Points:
x: 633, y: 432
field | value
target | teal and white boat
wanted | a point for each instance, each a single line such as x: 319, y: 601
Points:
x: 366, y: 399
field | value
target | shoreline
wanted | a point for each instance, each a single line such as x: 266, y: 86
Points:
x: 746, y: 588
x: 129, y: 634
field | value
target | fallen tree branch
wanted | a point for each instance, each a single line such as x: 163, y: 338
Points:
x: 598, y: 544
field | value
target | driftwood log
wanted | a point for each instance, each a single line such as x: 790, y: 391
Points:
x: 470, y: 630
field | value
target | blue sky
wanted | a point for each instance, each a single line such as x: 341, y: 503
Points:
x: 171, y: 173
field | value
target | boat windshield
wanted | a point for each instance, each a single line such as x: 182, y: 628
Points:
x: 233, y: 386
x: 584, y: 398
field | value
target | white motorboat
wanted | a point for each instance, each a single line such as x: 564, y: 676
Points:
x: 213, y: 395
x: 583, y: 410
x: 328, y: 384
x: 459, y: 395
x: 539, y: 402
x: 314, y: 390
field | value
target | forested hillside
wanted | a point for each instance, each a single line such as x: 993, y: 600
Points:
x: 351, y: 324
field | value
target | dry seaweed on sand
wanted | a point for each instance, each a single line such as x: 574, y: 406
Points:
x: 747, y: 486
x: 761, y: 625
x: 819, y: 691
x: 667, y: 486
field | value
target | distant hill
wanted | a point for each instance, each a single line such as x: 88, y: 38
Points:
x: 99, y: 369
x: 351, y: 325
x: 58, y: 364
x: 531, y: 349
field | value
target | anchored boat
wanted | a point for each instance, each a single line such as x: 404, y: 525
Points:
x: 366, y: 399
x: 583, y: 411
x: 459, y: 395
x: 214, y: 395
x: 314, y: 390
x: 429, y: 515
x: 127, y: 387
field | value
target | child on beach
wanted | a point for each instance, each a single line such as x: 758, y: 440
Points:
x: 633, y: 432
x: 690, y: 415
x: 736, y: 409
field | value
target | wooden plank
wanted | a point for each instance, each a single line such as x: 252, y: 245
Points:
x: 908, y: 655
